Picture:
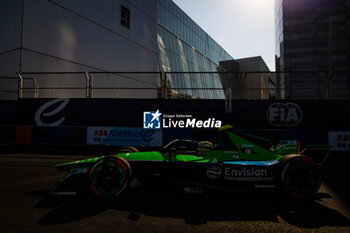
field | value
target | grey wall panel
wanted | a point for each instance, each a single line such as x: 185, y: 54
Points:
x: 149, y: 7
x: 64, y: 82
x: 53, y: 30
x: 144, y: 24
x: 37, y: 62
x: 80, y: 36
x: 8, y: 79
x: 143, y: 18
x: 9, y: 63
x: 10, y: 24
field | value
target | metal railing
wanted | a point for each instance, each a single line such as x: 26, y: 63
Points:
x: 86, y: 82
x: 36, y: 87
x: 20, y: 81
x: 181, y: 85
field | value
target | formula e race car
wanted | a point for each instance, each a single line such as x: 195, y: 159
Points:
x: 240, y: 161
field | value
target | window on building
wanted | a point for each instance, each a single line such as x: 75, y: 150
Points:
x: 124, y: 16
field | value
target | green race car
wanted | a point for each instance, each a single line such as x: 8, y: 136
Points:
x: 240, y: 161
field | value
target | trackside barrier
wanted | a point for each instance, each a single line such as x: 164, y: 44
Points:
x: 67, y: 135
x: 186, y: 85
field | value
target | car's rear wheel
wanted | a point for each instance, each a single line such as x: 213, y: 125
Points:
x: 110, y: 176
x: 300, y: 176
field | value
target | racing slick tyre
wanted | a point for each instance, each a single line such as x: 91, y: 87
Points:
x: 300, y: 176
x: 127, y: 149
x: 110, y: 176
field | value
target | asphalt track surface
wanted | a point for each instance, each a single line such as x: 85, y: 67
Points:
x: 25, y: 207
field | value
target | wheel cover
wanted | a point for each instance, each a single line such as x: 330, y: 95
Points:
x: 301, y: 178
x: 109, y: 178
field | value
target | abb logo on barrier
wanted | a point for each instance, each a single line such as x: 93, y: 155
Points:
x: 101, y: 133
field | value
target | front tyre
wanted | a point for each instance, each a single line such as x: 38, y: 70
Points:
x: 300, y: 176
x: 110, y: 176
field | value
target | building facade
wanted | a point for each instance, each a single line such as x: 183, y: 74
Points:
x: 313, y: 48
x: 56, y: 41
x: 259, y: 82
x: 185, y: 47
x: 251, y: 78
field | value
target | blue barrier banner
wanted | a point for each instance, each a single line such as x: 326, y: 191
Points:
x: 246, y: 114
x: 59, y: 135
x: 339, y: 140
x: 123, y: 136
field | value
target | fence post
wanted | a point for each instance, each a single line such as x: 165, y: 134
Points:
x: 20, y: 86
x: 228, y: 100
x: 36, y: 88
x: 87, y: 85
x: 329, y: 76
x: 91, y: 85
x: 164, y: 87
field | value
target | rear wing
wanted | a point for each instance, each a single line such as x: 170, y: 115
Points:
x: 319, y: 153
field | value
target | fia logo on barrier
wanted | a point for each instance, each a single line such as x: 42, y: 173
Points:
x: 151, y: 120
x: 284, y: 114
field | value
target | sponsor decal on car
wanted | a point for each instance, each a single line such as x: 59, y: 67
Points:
x: 251, y: 171
x: 193, y: 190
x: 246, y: 174
x: 214, y: 172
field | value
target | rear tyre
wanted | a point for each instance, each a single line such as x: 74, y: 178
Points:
x: 127, y: 149
x: 300, y: 176
x: 110, y: 176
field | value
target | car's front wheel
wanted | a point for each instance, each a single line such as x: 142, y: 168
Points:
x: 110, y: 176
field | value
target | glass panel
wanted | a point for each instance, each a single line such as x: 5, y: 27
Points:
x: 175, y: 55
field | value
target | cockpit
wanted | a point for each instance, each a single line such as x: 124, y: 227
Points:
x: 186, y: 147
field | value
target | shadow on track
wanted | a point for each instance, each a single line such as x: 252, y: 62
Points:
x: 193, y: 209
x: 67, y: 208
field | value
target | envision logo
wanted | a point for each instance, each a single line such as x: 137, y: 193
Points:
x: 245, y: 172
x: 284, y: 114
x: 214, y: 172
